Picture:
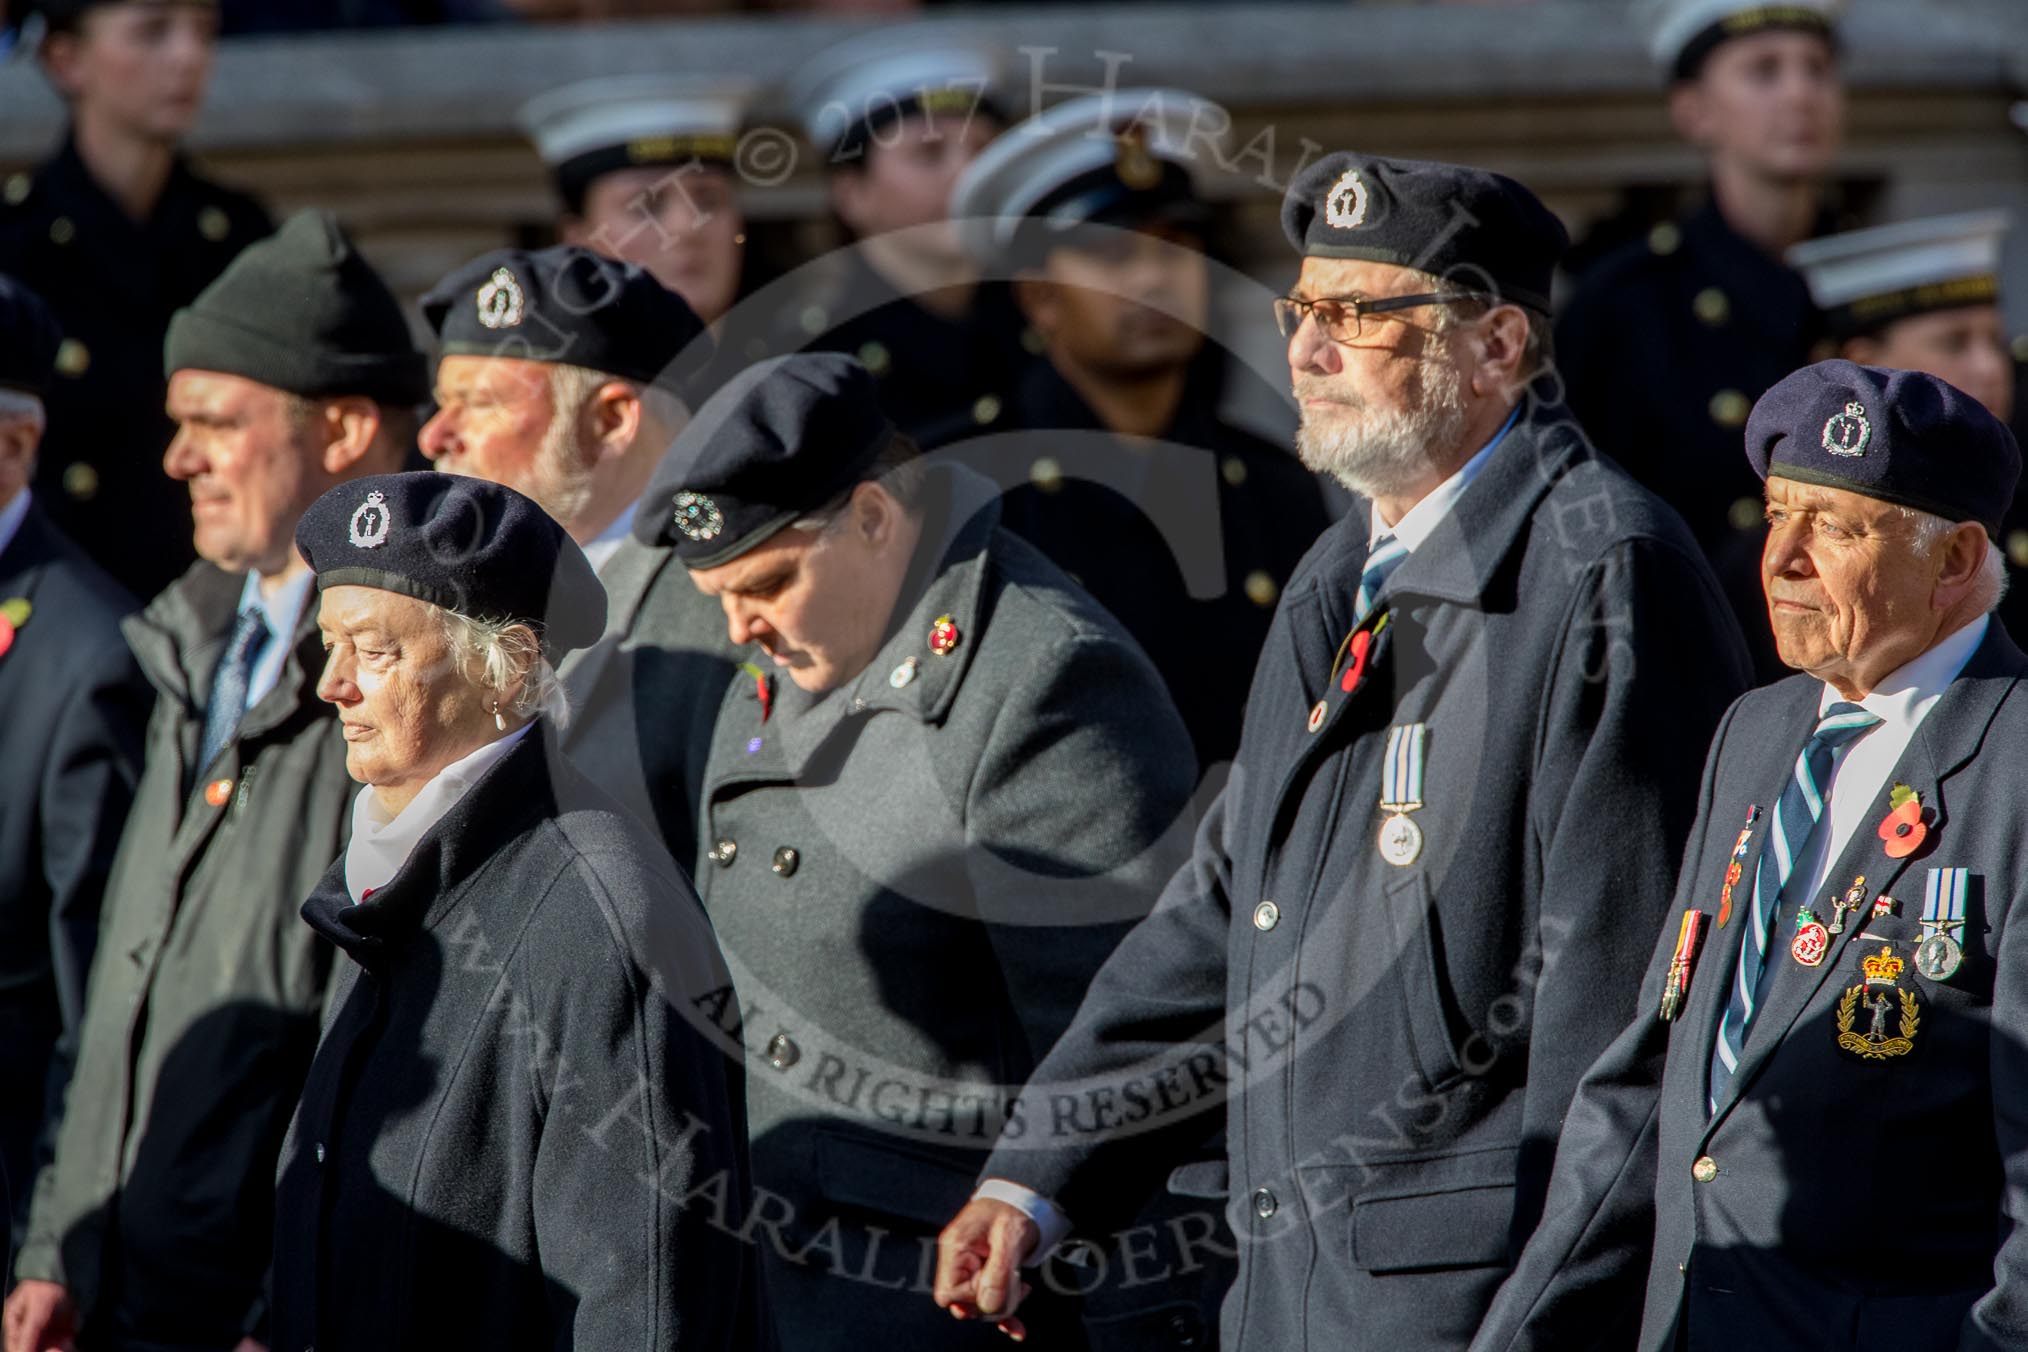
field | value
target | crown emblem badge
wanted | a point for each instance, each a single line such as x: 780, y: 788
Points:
x: 1847, y: 433
x: 1879, y: 997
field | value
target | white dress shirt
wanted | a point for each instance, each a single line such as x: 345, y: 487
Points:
x: 1417, y: 524
x: 1857, y: 798
x: 11, y: 517
x: 607, y: 543
x: 382, y: 842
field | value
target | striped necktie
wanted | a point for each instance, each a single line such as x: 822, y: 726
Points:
x: 1797, y: 814
x: 1384, y: 557
x: 229, y: 687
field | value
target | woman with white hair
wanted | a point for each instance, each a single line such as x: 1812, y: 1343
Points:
x: 516, y: 1105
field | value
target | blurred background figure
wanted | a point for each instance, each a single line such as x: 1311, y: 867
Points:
x: 70, y: 739
x: 1668, y: 341
x: 294, y: 371
x: 895, y: 118
x: 116, y: 231
x: 583, y: 438
x: 1118, y: 466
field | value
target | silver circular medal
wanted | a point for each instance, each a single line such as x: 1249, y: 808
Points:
x: 1400, y: 841
x: 1938, y: 957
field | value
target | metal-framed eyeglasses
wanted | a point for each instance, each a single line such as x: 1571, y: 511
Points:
x: 1340, y: 316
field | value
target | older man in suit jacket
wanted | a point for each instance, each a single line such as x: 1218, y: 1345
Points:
x: 1814, y: 1132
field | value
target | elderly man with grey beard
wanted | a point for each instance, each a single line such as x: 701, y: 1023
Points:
x: 1420, y: 908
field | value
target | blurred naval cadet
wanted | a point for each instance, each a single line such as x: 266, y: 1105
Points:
x: 565, y: 375
x: 293, y: 372
x: 76, y: 705
x: 515, y: 1115
x: 1833, y: 1149
x: 116, y: 231
x: 645, y: 170
x: 922, y: 842
x: 896, y: 117
x: 1122, y: 472
x: 1666, y: 344
x: 1413, y: 916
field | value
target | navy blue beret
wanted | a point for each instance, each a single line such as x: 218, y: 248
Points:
x: 28, y: 339
x: 1900, y: 436
x: 470, y: 546
x: 568, y: 305
x: 1472, y: 227
x: 778, y: 441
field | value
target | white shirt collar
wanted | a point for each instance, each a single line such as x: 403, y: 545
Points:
x: 1906, y: 694
x: 607, y: 543
x: 1419, y: 522
x: 381, y: 843
x: 11, y: 517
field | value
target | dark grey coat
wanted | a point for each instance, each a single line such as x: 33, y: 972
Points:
x: 914, y: 881
x: 1400, y: 1042
x: 73, y: 708
x: 201, y: 1011
x: 1877, y: 1204
x: 644, y: 698
x: 518, y: 1132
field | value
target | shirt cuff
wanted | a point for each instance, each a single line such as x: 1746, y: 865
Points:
x: 1048, y: 1217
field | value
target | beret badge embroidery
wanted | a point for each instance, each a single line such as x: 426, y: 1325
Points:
x: 370, y: 522
x: 698, y: 517
x: 1847, y: 433
x: 1345, y: 204
x: 501, y: 301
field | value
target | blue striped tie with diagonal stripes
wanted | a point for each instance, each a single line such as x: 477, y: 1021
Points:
x: 1384, y: 557
x: 1797, y: 813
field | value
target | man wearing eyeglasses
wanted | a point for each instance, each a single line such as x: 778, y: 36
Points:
x: 1421, y: 905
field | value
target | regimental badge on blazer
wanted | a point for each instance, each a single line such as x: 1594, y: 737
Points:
x: 1879, y: 1019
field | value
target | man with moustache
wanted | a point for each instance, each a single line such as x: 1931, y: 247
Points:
x: 1811, y: 1134
x: 1410, y: 918
x: 151, y: 1228
x: 566, y: 375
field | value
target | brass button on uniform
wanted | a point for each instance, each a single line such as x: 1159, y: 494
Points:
x: 723, y: 853
x: 1729, y: 408
x: 1712, y: 306
x: 73, y: 358
x: 214, y: 224
x: 1233, y: 469
x: 17, y: 189
x: 1665, y: 238
x: 786, y: 861
x: 2017, y: 547
x: 1262, y: 589
x: 62, y: 231
x: 985, y: 409
x: 1046, y: 474
x: 782, y: 1051
x: 1266, y: 916
x: 1264, y: 1203
x: 1746, y: 513
x: 1705, y: 1169
x: 81, y: 481
x: 873, y: 356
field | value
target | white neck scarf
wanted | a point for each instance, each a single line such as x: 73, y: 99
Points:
x: 381, y: 843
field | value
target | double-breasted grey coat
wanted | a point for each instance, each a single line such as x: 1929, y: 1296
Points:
x: 914, y: 878
x: 1401, y: 1029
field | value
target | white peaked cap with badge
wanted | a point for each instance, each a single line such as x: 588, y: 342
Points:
x: 1670, y: 26
x: 599, y: 114
x: 1888, y: 260
x: 1000, y: 191
x: 892, y: 71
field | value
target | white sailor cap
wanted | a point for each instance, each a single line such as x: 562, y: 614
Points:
x: 847, y: 93
x: 1682, y: 33
x: 1864, y: 279
x: 593, y: 127
x: 1118, y: 158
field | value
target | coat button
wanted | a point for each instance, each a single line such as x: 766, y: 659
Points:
x: 785, y: 861
x: 62, y: 230
x: 1266, y: 916
x: 782, y: 1051
x: 81, y: 481
x: 320, y: 1152
x: 1262, y: 589
x: 1264, y: 1203
x: 723, y: 853
x: 73, y: 358
x: 1705, y: 1169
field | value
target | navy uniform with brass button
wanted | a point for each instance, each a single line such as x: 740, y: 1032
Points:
x: 915, y: 866
x: 1667, y: 342
x: 113, y: 282
x: 1415, y: 908
x: 1186, y: 525
x: 944, y: 343
x: 70, y: 745
x: 1844, y: 1163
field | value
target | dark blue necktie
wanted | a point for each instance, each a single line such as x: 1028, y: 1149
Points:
x: 228, y: 688
x: 1797, y: 814
x: 1381, y: 561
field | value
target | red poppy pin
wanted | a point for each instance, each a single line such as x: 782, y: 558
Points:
x: 763, y: 689
x: 1903, y: 830
x: 13, y: 614
x: 1355, y: 660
